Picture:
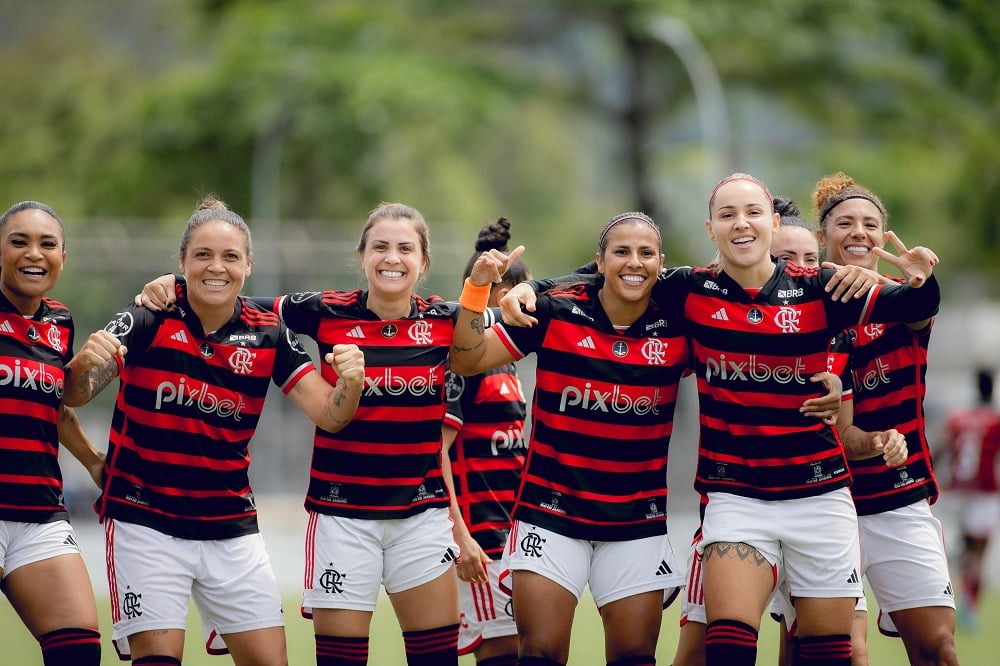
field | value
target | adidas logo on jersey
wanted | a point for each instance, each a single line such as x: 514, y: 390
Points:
x: 6, y: 327
x: 180, y: 336
x: 586, y: 343
x: 853, y: 578
x: 504, y: 390
x: 721, y: 315
x: 663, y: 569
x: 356, y: 332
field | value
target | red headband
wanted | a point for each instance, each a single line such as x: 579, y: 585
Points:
x: 739, y: 176
x: 621, y: 217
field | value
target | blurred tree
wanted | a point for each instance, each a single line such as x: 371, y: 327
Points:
x: 555, y: 112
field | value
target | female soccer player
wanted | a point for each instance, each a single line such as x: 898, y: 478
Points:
x: 591, y: 509
x: 758, y: 330
x: 179, y: 513
x: 484, y: 436
x: 902, y: 549
x: 794, y: 241
x: 42, y: 571
x: 377, y: 501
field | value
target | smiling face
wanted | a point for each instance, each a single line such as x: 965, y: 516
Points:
x: 392, y: 258
x: 742, y: 223
x: 796, y: 244
x: 31, y: 258
x: 215, y: 264
x: 630, y: 263
x: 852, y: 228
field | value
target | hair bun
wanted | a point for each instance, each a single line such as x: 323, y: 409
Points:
x: 785, y: 207
x: 212, y: 202
x: 494, y: 236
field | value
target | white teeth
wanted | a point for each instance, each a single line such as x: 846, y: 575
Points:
x: 856, y: 249
x: 633, y: 279
x: 743, y: 239
x: 392, y: 274
x: 33, y: 271
x: 215, y: 283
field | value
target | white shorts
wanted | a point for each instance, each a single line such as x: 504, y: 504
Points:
x: 613, y: 569
x: 903, y: 557
x: 818, y: 563
x: 152, y: 576
x: 783, y: 608
x: 693, y: 599
x: 980, y: 512
x: 26, y: 543
x: 347, y: 559
x: 487, y: 611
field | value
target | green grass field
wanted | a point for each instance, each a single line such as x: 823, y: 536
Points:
x: 17, y: 648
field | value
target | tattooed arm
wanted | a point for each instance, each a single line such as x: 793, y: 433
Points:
x: 93, y: 368
x: 474, y: 348
x: 332, y: 407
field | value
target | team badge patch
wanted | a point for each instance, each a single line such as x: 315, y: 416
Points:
x: 389, y: 331
x: 619, y: 349
x: 755, y: 316
x: 207, y: 351
x: 121, y: 325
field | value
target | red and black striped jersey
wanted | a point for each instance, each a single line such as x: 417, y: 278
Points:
x: 386, y: 463
x: 33, y: 351
x: 188, y: 404
x: 889, y: 367
x: 972, y: 438
x: 601, y: 417
x: 754, y: 356
x: 488, y: 412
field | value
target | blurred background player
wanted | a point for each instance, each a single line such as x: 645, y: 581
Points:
x: 484, y: 436
x: 971, y: 442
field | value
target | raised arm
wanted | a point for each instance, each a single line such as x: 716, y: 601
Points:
x: 158, y: 294
x: 474, y: 348
x: 93, y: 368
x: 332, y: 407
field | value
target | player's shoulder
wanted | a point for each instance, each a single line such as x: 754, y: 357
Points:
x: 55, y: 309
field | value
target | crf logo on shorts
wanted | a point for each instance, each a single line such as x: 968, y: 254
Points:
x: 531, y: 545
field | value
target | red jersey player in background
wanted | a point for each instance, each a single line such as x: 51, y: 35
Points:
x: 484, y: 436
x: 179, y: 513
x: 971, y: 442
x: 43, y: 573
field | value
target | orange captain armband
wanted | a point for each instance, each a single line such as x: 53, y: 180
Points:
x: 475, y: 297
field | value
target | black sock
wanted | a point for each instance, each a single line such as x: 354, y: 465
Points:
x: 73, y: 646
x: 341, y: 650
x: 432, y: 647
x: 731, y: 643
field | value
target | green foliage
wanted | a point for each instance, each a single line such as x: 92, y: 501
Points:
x: 557, y: 114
